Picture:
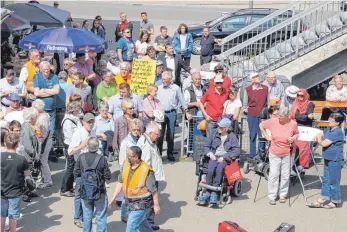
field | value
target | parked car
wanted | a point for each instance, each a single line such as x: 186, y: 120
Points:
x: 228, y: 23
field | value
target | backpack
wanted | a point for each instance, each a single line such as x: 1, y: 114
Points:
x: 62, y: 125
x: 90, y: 179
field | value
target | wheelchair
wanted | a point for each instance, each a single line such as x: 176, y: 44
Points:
x: 261, y: 163
x: 231, y: 184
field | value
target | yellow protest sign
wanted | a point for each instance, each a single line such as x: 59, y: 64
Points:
x: 143, y: 74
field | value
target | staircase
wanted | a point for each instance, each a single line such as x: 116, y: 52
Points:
x: 315, y: 32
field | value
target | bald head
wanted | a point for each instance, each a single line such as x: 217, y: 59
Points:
x: 153, y: 131
x: 35, y: 56
x: 271, y: 77
x: 196, y: 79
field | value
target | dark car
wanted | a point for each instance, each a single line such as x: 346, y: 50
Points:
x: 228, y: 23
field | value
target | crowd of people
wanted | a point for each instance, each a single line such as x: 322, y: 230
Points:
x: 87, y: 112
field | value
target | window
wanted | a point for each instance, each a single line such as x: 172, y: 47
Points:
x: 236, y: 22
x: 255, y: 18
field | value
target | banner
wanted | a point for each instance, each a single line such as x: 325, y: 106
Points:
x: 143, y: 74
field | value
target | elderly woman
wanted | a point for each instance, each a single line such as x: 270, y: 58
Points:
x: 107, y: 88
x: 151, y: 103
x: 70, y: 124
x: 124, y: 75
x: 112, y: 64
x: 104, y: 128
x: 284, y: 131
x: 331, y: 140
x: 122, y: 124
x: 221, y: 145
x: 45, y: 142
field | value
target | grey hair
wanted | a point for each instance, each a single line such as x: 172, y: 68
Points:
x: 194, y: 70
x: 103, y: 105
x: 44, y: 64
x: 126, y: 103
x: 32, y: 51
x: 72, y: 70
x: 152, y: 127
x: 338, y: 77
x: 167, y: 74
x: 29, y: 114
x: 196, y: 74
x: 123, y: 13
x: 73, y: 108
x: 271, y: 72
x: 124, y: 65
x: 284, y: 111
x: 93, y: 144
x: 105, y: 73
x: 39, y: 105
x: 102, y: 62
x: 136, y: 123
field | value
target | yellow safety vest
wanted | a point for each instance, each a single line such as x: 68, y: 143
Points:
x: 31, y: 74
x: 135, y: 188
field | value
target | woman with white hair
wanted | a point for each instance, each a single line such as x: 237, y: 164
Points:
x: 284, y: 131
x: 45, y: 142
x: 124, y: 75
x: 151, y: 103
x: 113, y: 64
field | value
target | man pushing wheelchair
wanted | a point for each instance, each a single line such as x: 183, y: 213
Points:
x: 222, y: 147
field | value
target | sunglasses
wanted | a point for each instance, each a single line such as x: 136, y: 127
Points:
x: 300, y: 95
x: 219, y: 83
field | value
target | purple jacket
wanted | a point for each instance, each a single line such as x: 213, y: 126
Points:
x: 231, y: 145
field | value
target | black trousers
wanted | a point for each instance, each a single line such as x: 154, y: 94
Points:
x: 68, y: 178
x: 205, y: 59
x: 152, y: 214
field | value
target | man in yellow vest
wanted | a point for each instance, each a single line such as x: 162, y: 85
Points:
x: 137, y: 181
x: 29, y: 70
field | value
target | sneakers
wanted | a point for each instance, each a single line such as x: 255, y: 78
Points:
x: 171, y: 158
x: 282, y: 200
x: 124, y: 219
x: 300, y: 168
x: 272, y: 202
x: 45, y: 186
x: 67, y: 194
x: 107, y: 185
x: 213, y: 198
x: 78, y: 223
x: 204, y: 198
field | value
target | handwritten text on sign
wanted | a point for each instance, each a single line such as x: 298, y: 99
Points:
x: 143, y: 73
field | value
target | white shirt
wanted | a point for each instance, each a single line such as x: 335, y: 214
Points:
x: 231, y: 106
x: 198, y: 94
x: 183, y: 39
x: 141, y: 47
x: 170, y: 63
x: 334, y: 94
x: 220, y: 151
x: 23, y: 76
x: 78, y: 137
x: 16, y: 86
x: 114, y: 69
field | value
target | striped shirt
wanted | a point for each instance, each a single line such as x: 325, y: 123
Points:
x: 275, y: 90
x: 171, y: 97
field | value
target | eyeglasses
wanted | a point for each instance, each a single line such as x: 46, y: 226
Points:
x: 231, y: 93
x: 126, y: 31
x: 137, y: 129
x: 131, y: 108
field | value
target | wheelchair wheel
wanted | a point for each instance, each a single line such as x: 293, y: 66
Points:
x: 226, y: 199
x: 237, y: 188
x: 246, y: 167
x: 266, y: 171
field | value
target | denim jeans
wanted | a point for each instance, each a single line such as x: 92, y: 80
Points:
x: 254, y: 131
x: 213, y: 166
x: 137, y: 221
x: 123, y: 209
x: 100, y: 207
x: 77, y: 201
x: 11, y: 207
x: 52, y: 124
x: 68, y: 178
x: 169, y: 126
x: 331, y: 190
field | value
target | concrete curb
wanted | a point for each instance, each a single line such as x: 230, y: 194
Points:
x: 203, y: 3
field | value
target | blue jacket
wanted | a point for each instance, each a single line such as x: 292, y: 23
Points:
x: 231, y: 145
x: 176, y: 42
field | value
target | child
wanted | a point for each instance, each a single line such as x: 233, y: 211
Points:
x: 14, y: 171
x: 332, y: 142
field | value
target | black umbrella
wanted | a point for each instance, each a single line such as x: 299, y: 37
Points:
x: 12, y: 22
x: 40, y: 14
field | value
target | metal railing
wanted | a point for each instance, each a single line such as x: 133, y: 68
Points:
x: 265, y: 23
x: 287, y: 40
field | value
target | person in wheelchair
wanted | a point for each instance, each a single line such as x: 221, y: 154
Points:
x: 221, y: 147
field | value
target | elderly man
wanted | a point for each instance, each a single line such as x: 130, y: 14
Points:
x: 84, y: 67
x: 151, y: 156
x: 116, y: 100
x: 107, y: 88
x: 78, y: 145
x: 46, y: 87
x: 124, y: 23
x: 173, y: 62
x: 337, y: 92
x: 14, y: 111
x: 140, y: 191
x: 170, y: 96
x: 9, y: 85
x: 207, y: 46
x: 194, y: 93
x: 29, y: 70
x: 124, y: 75
x: 112, y: 64
x: 98, y: 205
x: 256, y: 99
x: 213, y: 101
x: 276, y: 89
x: 219, y: 70
x: 290, y: 96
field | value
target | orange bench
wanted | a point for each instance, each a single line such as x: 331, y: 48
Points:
x: 319, y: 105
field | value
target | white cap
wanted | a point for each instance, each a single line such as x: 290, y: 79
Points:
x: 252, y: 75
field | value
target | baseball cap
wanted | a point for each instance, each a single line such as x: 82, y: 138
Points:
x: 255, y: 74
x: 224, y: 123
x: 219, y: 78
x: 88, y: 116
x: 218, y: 67
x: 159, y: 63
x: 14, y: 97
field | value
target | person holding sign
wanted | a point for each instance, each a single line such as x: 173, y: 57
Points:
x: 171, y: 97
x: 143, y: 74
x: 124, y: 75
x: 332, y: 142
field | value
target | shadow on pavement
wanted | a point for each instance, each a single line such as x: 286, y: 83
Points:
x: 170, y: 209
